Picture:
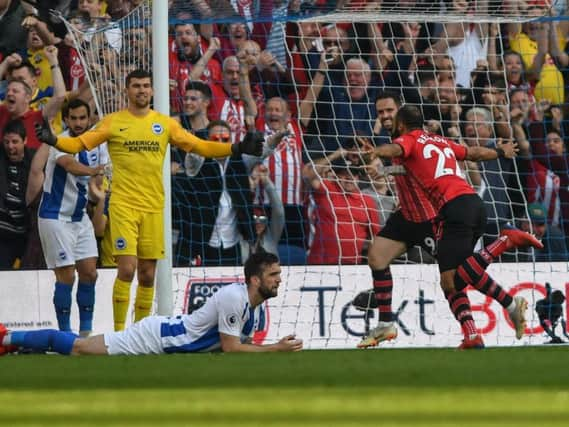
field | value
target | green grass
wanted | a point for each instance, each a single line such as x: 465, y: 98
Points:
x: 430, y: 387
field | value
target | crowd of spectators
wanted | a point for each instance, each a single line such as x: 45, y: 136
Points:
x: 320, y: 93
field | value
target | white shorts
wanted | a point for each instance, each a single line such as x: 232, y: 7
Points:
x: 64, y: 242
x: 139, y: 338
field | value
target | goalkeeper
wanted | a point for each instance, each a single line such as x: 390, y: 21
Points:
x: 137, y: 141
x: 226, y: 321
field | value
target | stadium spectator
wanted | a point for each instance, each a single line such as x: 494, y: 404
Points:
x: 449, y: 100
x: 284, y: 161
x: 133, y: 52
x: 120, y: 8
x: 497, y: 175
x: 24, y: 71
x: 465, y: 42
x: 333, y: 112
x: 67, y: 236
x: 268, y: 230
x: 137, y: 138
x: 462, y: 215
x: 538, y: 44
x: 40, y: 37
x: 193, y: 118
x: 551, y: 236
x: 379, y: 190
x: 232, y: 312
x: 93, y: 11
x: 19, y: 96
x: 12, y: 34
x: 227, y: 103
x: 301, y: 39
x: 220, y: 204
x: 549, y: 150
x: 345, y: 219
x: 191, y: 58
x: 15, y: 161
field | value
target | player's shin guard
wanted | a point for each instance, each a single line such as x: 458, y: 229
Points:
x: 62, y: 304
x: 460, y: 306
x: 86, y: 304
x: 383, y: 288
x: 44, y: 340
x: 472, y: 272
x: 121, y: 298
x: 143, y: 303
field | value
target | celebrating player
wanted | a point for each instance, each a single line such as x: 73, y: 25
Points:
x: 137, y: 140
x: 226, y: 321
x: 412, y: 224
x: 432, y: 160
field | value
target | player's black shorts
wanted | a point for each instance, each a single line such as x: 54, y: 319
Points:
x: 411, y: 233
x: 463, y: 221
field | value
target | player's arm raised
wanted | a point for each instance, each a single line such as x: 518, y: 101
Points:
x: 232, y: 344
x: 507, y: 150
x: 388, y: 151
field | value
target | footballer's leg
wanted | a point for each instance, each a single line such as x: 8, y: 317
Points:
x: 86, y: 253
x: 42, y: 340
x: 64, y: 278
x: 472, y: 271
x: 58, y: 240
x: 381, y: 252
x: 454, y: 247
x: 145, y: 289
x: 150, y: 249
x: 87, y: 272
x: 124, y: 236
x: 126, y: 267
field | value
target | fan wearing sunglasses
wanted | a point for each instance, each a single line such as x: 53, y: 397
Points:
x: 220, y: 203
x: 267, y: 230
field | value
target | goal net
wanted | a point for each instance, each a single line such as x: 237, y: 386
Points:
x: 327, y: 75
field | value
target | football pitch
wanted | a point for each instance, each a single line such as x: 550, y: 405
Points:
x: 524, y: 386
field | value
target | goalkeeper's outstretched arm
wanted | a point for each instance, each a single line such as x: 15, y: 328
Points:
x: 72, y: 144
x: 252, y: 143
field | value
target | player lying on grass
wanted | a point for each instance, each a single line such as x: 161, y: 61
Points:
x: 226, y: 321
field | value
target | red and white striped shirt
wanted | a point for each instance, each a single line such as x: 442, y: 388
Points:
x: 543, y: 187
x: 285, y: 165
x: 230, y: 110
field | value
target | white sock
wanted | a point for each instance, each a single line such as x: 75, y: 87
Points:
x: 381, y: 324
x: 511, y: 307
x: 7, y: 339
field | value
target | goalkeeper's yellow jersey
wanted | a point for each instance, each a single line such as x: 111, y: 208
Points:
x: 137, y: 147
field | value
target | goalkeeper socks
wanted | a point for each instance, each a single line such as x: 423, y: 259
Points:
x: 121, y: 298
x: 44, y: 340
x: 62, y: 304
x: 86, y: 303
x: 383, y: 288
x: 460, y: 306
x: 143, y: 303
x: 472, y: 272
